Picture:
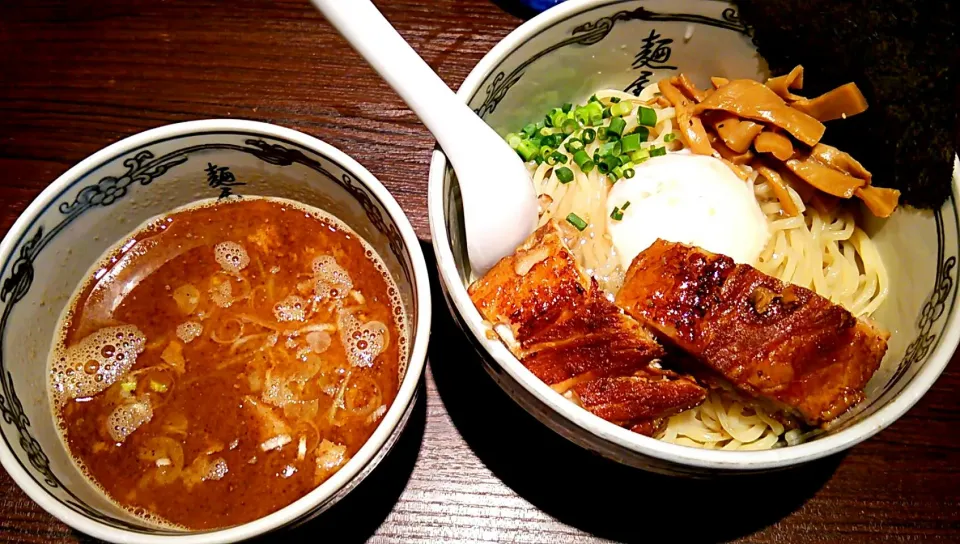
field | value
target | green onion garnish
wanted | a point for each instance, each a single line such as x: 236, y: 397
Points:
x: 575, y: 220
x: 528, y: 150
x: 607, y: 113
x: 550, y: 159
x: 614, y: 100
x: 596, y: 119
x: 617, y: 125
x: 589, y: 135
x: 606, y: 164
x: 545, y: 151
x: 564, y: 174
x: 625, y: 205
x: 610, y: 148
x: 628, y: 173
x: 648, y: 117
x: 670, y: 137
x: 570, y: 126
x: 544, y: 131
x: 603, y: 167
x: 566, y: 107
x: 529, y: 130
x: 558, y: 157
x: 594, y: 99
x: 514, y: 140
x: 616, y: 173
x: 640, y: 155
x: 617, y: 214
x: 630, y: 143
x: 623, y: 108
x: 583, y: 161
x: 658, y: 151
x: 573, y: 145
x: 552, y: 140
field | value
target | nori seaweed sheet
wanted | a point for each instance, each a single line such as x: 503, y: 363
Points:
x: 904, y: 57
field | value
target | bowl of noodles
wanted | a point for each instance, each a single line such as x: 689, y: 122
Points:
x: 642, y: 130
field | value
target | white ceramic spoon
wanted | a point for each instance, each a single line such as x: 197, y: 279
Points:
x: 499, y: 201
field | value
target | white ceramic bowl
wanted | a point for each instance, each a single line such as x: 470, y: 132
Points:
x: 99, y: 201
x: 565, y: 54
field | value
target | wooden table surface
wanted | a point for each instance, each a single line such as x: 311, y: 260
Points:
x: 472, y: 466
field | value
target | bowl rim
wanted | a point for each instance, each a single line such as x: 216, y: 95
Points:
x: 372, y: 447
x: 695, y: 457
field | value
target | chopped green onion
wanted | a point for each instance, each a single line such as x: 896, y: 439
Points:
x: 529, y: 130
x: 556, y: 117
x: 566, y: 107
x: 564, y: 174
x: 558, y: 158
x: 617, y: 173
x: 544, y: 131
x: 630, y: 143
x: 552, y: 140
x: 622, y: 109
x: 617, y: 125
x: 594, y: 99
x: 589, y: 135
x: 603, y: 166
x: 528, y: 150
x: 596, y: 119
x: 538, y: 159
x: 625, y: 205
x: 573, y: 145
x: 602, y: 134
x: 644, y: 133
x: 550, y: 159
x: 606, y: 113
x: 570, y: 126
x: 575, y: 220
x: 614, y: 100
x: 617, y: 214
x: 640, y: 155
x: 670, y: 137
x: 514, y: 140
x: 648, y: 117
x: 158, y: 386
x: 610, y: 148
x: 583, y: 161
x: 611, y: 162
x: 545, y: 151
x: 628, y: 173
x: 658, y: 151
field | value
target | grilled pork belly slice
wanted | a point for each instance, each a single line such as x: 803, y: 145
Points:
x: 767, y: 338
x: 634, y: 399
x: 562, y: 327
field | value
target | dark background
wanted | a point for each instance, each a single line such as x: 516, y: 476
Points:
x: 76, y: 76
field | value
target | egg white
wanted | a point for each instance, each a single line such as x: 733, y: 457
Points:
x: 691, y: 199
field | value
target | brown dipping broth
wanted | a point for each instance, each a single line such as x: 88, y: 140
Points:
x: 253, y: 397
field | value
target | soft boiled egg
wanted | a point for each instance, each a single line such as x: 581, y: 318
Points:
x: 691, y: 199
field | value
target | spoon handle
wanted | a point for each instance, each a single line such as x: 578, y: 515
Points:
x: 386, y: 51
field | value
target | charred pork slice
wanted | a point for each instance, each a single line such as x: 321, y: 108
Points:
x: 767, y: 338
x: 561, y: 326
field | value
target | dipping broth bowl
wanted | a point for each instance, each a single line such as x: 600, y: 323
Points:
x: 100, y: 201
x: 570, y: 51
